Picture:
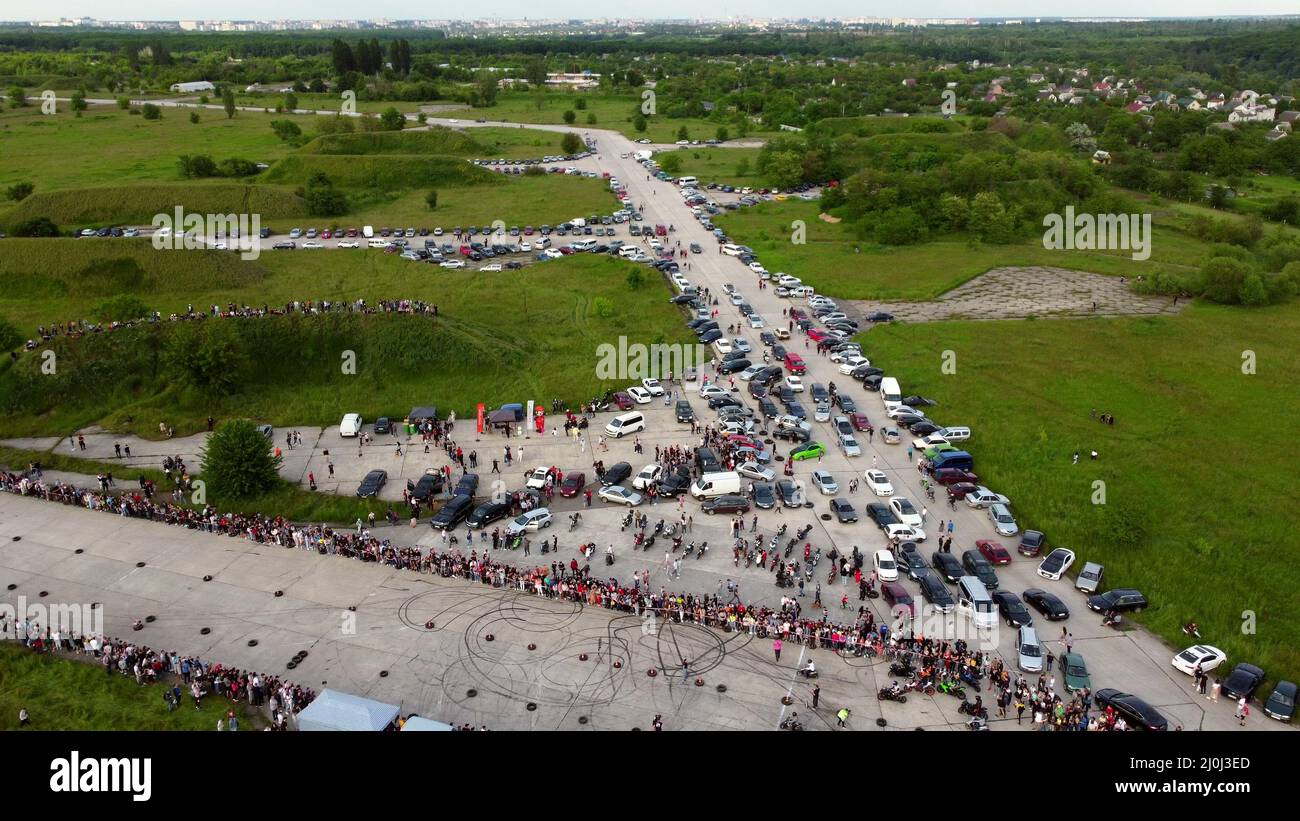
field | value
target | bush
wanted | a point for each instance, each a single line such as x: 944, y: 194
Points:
x: 570, y: 116
x: 392, y: 120
x: 286, y: 130
x: 10, y: 336
x: 121, y: 308
x: 431, y: 199
x: 237, y: 461
x: 194, y: 117
x: 20, y: 191
x: 571, y: 143
x: 236, y: 167
x: 151, y: 111
x: 124, y: 103
x: 37, y: 227
x: 197, y: 166
x: 208, y: 357
x: 322, y: 199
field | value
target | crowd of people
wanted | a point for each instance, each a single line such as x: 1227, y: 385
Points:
x: 77, y: 328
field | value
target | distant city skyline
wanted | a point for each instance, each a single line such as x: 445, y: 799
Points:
x: 167, y: 10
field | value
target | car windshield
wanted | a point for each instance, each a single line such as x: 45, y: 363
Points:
x: 522, y: 520
x: 887, y: 564
x: 1076, y: 670
x: 1030, y: 650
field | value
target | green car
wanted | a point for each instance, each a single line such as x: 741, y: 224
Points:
x: 811, y: 450
x: 930, y: 453
x: 1075, y: 672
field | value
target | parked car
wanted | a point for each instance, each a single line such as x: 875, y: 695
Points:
x: 979, y: 567
x: 825, y: 482
x: 1118, y: 599
x: 1056, y: 563
x: 373, y: 482
x: 487, y: 513
x: 1089, y: 578
x: 948, y: 566
x: 620, y: 495
x: 530, y: 521
x: 1047, y: 604
x: 1242, y: 681
x: 1012, y: 609
x: 726, y: 504
x: 993, y: 551
x: 615, y: 474
x: 573, y: 484
x: 878, y: 482
x: 1203, y: 654
x: 1074, y: 672
x: 810, y: 450
x: 1136, y: 712
x: 1003, y: 522
x: 1281, y: 702
x: 1032, y: 543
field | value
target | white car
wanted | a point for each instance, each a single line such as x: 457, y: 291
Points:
x: 452, y: 263
x: 982, y: 497
x: 851, y: 362
x: 794, y: 383
x: 822, y: 413
x: 753, y: 470
x: 825, y: 482
x: 311, y: 243
x: 553, y: 253
x: 905, y: 511
x: 620, y: 495
x: 878, y: 482
x: 1004, y: 523
x: 757, y: 267
x: 536, y: 479
x: 756, y: 321
x: 930, y: 441
x: 639, y: 395
x: 749, y: 373
x: 793, y: 423
x: 491, y: 267
x: 899, y: 410
x: 1057, y: 562
x: 648, y: 476
x: 1205, y: 655
x: 652, y: 386
x: 722, y: 345
x: 351, y: 425
x: 349, y: 243
x: 525, y: 247
x: 899, y: 533
x: 530, y: 522
x: 713, y: 389
x: 886, y: 566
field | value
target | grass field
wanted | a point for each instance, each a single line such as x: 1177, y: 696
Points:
x: 828, y: 261
x: 720, y: 165
x: 66, y: 694
x: 1194, y: 511
x: 500, y: 337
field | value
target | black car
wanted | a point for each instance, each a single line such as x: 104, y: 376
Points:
x: 726, y: 504
x: 769, y: 408
x: 934, y: 591
x: 915, y: 401
x: 430, y: 483
x: 1242, y: 681
x: 789, y: 493
x: 383, y: 426
x: 796, y: 410
x: 487, y: 513
x: 618, y: 473
x: 764, y: 496
x: 372, y: 484
x: 909, y: 558
x: 881, y: 515
x: 904, y: 420
x: 675, y: 482
x: 872, y: 382
x: 710, y: 336
x: 846, y: 403
x: 684, y: 411
x: 819, y: 393
x: 1032, y: 543
x: 734, y: 366
x: 793, y: 434
x: 467, y: 486
x: 979, y: 567
x: 1047, y: 604
x: 451, y: 514
x: 843, y: 511
x: 880, y: 316
x: 767, y: 338
x: 1013, y: 610
x: 948, y: 566
x: 863, y: 371
x: 1119, y: 599
x: 1281, y: 703
x: 757, y: 389
x: 1136, y: 712
x: 923, y: 428
x: 723, y: 401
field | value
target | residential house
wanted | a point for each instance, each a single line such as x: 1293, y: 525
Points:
x: 1100, y: 157
x: 1036, y: 78
x: 1252, y: 113
x: 1275, y: 135
x: 1136, y: 107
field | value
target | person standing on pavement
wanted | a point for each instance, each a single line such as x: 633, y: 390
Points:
x: 817, y: 694
x: 776, y: 648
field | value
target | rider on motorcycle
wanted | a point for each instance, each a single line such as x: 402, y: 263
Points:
x: 810, y: 670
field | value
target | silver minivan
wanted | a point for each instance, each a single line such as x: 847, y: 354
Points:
x: 1029, y: 653
x: 1003, y: 522
x: 1089, y: 580
x: 955, y: 434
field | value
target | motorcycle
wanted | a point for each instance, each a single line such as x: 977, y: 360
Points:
x: 804, y: 531
x: 780, y: 531
x: 789, y: 547
x: 627, y: 520
x: 806, y: 673
x: 649, y: 542
x: 971, y: 710
x: 659, y: 527
x: 920, y: 686
x: 704, y: 548
x: 952, y: 688
x: 1113, y: 620
x: 792, y: 724
x: 970, y: 678
x: 690, y: 547
x: 929, y: 493
x: 891, y: 694
x: 902, y: 668
x: 977, y: 724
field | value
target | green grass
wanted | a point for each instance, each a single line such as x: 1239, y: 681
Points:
x: 1195, y: 511
x: 137, y: 204
x: 321, y: 102
x: 381, y: 171
x: 521, y: 201
x: 67, y: 694
x: 719, y: 165
x: 613, y: 111
x: 828, y: 260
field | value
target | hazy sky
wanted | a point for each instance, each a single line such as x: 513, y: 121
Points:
x: 514, y: 9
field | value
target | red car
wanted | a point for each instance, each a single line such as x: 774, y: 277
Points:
x: 741, y: 441
x: 352, y: 232
x: 859, y: 421
x: 960, y: 489
x: 327, y: 234
x: 794, y: 362
x: 993, y: 551
x: 566, y: 250
x: 797, y: 313
x: 816, y: 334
x: 572, y: 484
x: 951, y: 476
x: 661, y: 231
x: 624, y: 402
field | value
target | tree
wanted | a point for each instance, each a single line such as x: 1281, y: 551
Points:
x: 989, y: 219
x: 209, y: 357
x: 785, y: 168
x: 194, y: 117
x: 197, y: 166
x: 124, y: 102
x: 151, y: 111
x: 722, y: 134
x: 635, y: 279
x: 290, y: 102
x: 237, y: 461
x: 580, y: 104
x: 341, y: 55
x: 591, y: 118
x: 122, y: 308
x: 78, y: 100
x: 683, y: 134
x: 486, y: 86
x: 316, y: 86
x: 236, y: 167
x: 286, y: 130
x: 570, y: 116
x: 10, y: 336
x: 639, y: 123
x: 1252, y: 291
x: 671, y: 163
x: 535, y: 73
x: 955, y: 210
x: 1224, y: 279
x: 228, y: 101
x: 742, y: 169
x: 571, y: 143
x: 20, y: 191
x: 392, y: 120
x: 1081, y: 138
x: 17, y: 96
x: 431, y: 199
x: 37, y: 227
x: 321, y: 197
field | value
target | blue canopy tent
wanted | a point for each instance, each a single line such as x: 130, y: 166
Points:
x: 332, y: 711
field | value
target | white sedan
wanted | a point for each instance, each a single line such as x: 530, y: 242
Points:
x: 1205, y: 655
x: 712, y: 389
x: 648, y: 476
x: 756, y: 321
x: 753, y: 470
x: 982, y: 497
x: 899, y: 410
x: 452, y: 263
x: 620, y: 495
x: 530, y: 522
x: 537, y: 478
x: 899, y: 533
x: 1057, y: 562
x: 825, y: 482
x: 878, y: 482
x: 851, y: 363
x: 925, y: 442
x: 639, y: 395
x: 653, y: 386
x: 757, y: 267
x: 722, y: 345
x: 794, y: 383
x: 349, y: 243
x: 905, y: 511
x: 491, y: 267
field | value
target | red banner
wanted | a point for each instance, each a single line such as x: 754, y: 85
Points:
x: 480, y: 417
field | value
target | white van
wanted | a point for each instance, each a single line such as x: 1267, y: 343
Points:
x: 578, y: 222
x: 710, y: 485
x: 368, y: 231
x: 583, y: 244
x: 687, y: 182
x: 625, y: 423
x: 801, y: 291
x: 958, y: 434
x: 973, y: 599
x: 732, y: 250
x: 351, y: 425
x: 542, y: 243
x: 890, y: 393
x: 629, y: 251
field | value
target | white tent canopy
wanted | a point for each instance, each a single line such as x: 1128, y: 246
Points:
x: 332, y: 710
x: 422, y: 724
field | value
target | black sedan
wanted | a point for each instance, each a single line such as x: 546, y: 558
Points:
x: 1119, y: 599
x: 764, y: 496
x: 734, y: 366
x: 1013, y: 610
x: 880, y: 316
x: 1136, y: 712
x: 793, y: 434
x: 791, y: 495
x: 372, y: 484
x: 1281, y: 704
x: 383, y: 426
x: 948, y: 566
x: 726, y: 504
x: 1032, y: 543
x: 979, y: 567
x: 616, y: 474
x: 430, y: 483
x: 487, y: 513
x: 1242, y: 681
x: 881, y: 515
x: 843, y: 511
x: 909, y: 557
x: 915, y: 401
x: 1047, y: 604
x: 676, y: 481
